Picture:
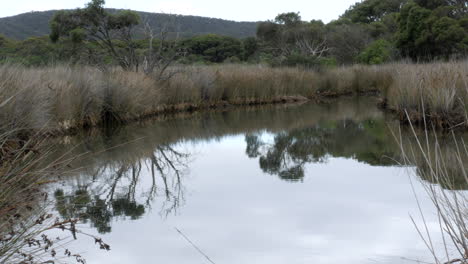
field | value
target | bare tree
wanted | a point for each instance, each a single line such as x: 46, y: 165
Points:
x: 312, y: 47
x: 158, y: 59
x: 288, y: 35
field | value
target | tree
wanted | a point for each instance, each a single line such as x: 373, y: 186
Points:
x: 369, y: 11
x: 5, y: 47
x: 35, y: 51
x: 289, y: 19
x: 268, y: 31
x: 347, y: 41
x: 249, y: 47
x: 431, y: 4
x: 213, y: 48
x: 431, y: 31
x: 289, y: 39
x: 3, y: 41
x: 160, y: 55
x: 111, y: 32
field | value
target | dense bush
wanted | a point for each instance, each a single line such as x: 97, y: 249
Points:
x: 370, y: 32
x: 433, y: 29
x: 378, y: 52
x: 213, y: 48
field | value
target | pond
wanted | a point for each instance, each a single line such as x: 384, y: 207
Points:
x: 310, y: 183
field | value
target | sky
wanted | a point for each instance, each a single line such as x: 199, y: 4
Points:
x: 238, y: 10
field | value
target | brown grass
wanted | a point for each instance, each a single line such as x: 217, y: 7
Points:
x: 436, y: 92
x: 64, y: 97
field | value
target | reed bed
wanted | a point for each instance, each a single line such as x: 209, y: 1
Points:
x: 436, y: 93
x: 66, y: 98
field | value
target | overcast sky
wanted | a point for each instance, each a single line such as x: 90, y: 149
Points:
x: 238, y: 10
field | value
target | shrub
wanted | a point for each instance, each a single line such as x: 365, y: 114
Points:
x: 379, y: 52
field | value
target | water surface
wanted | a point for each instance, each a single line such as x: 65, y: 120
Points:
x: 278, y: 184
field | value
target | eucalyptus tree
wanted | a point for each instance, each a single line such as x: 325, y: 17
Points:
x: 113, y: 33
x: 289, y: 38
x: 430, y: 29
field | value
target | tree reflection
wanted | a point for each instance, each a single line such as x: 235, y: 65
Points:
x: 118, y: 190
x: 368, y: 141
x: 126, y: 182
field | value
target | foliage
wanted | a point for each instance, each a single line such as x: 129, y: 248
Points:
x: 250, y: 47
x: 101, y: 28
x: 432, y: 30
x: 213, y: 48
x: 288, y: 19
x: 23, y: 26
x: 369, y: 11
x: 418, y: 29
x: 292, y: 41
x: 347, y: 41
x: 36, y: 51
x: 40, y: 51
x: 378, y: 52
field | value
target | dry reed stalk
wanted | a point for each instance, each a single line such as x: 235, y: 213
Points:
x: 444, y: 174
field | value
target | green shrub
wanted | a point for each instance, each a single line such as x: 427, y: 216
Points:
x: 378, y: 52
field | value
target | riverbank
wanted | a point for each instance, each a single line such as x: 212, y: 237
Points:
x: 58, y: 100
x: 278, y: 141
x: 64, y: 98
x: 61, y: 100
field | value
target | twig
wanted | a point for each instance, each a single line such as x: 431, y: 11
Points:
x: 195, y: 246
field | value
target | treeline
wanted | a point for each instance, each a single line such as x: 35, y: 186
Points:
x: 204, y: 49
x: 369, y: 32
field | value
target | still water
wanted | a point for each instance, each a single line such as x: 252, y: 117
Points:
x: 311, y: 183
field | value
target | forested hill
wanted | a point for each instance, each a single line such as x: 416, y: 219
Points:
x: 37, y: 24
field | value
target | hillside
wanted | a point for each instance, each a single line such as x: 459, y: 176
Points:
x: 37, y: 24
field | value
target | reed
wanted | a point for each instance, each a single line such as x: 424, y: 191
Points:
x: 25, y: 166
x: 441, y: 161
x: 63, y: 98
x: 436, y: 93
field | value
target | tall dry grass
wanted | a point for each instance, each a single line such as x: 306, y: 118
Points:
x: 65, y: 97
x: 435, y: 92
x: 22, y: 216
x: 25, y: 166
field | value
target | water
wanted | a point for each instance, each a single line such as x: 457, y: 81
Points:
x: 278, y: 184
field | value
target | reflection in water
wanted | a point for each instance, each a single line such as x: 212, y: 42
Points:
x: 366, y: 141
x: 442, y: 151
x: 109, y: 185
x: 141, y: 167
x: 369, y: 141
x: 113, y: 189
